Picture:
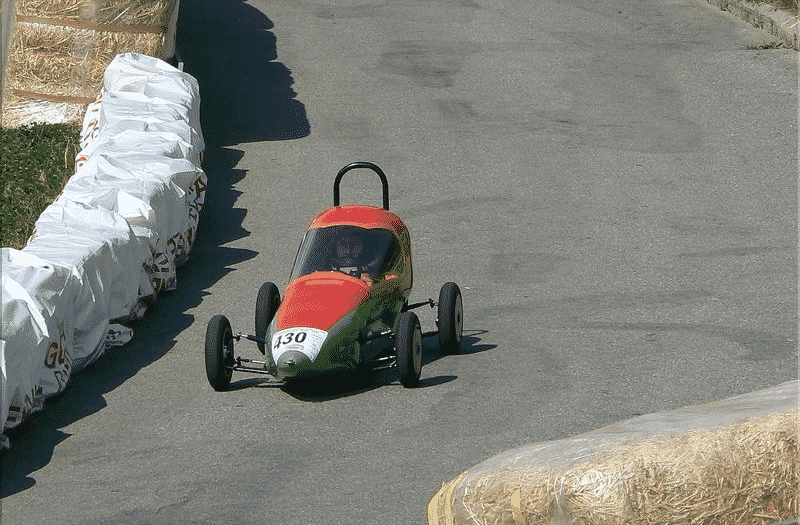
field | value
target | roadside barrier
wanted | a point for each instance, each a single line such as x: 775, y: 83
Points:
x: 732, y: 462
x: 112, y: 240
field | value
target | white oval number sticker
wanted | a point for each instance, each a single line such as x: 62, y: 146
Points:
x: 306, y: 340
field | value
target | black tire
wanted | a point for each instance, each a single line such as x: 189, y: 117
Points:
x: 267, y: 303
x: 219, y: 353
x: 408, y: 345
x: 450, y: 319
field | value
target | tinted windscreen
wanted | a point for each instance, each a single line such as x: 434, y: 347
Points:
x: 347, y: 249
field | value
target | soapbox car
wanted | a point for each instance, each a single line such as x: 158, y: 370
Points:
x: 345, y: 307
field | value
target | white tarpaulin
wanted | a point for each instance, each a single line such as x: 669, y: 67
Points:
x: 38, y: 305
x: 120, y: 111
x: 99, y: 246
x: 113, y: 238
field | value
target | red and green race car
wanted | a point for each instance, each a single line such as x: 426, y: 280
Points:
x: 345, y: 307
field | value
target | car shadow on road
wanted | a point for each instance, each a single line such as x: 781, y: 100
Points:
x: 337, y: 387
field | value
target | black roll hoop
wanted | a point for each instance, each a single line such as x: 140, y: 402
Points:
x: 362, y: 164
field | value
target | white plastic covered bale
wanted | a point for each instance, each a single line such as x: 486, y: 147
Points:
x: 23, y: 327
x: 100, y: 247
x: 148, y: 120
x: 144, y: 94
x: 144, y: 78
x: 112, y: 240
x: 172, y: 140
x: 38, y: 303
x: 731, y: 462
x: 152, y: 207
x: 156, y: 202
x: 119, y: 115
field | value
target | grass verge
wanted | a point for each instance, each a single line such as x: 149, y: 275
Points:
x: 35, y: 163
x: 786, y: 5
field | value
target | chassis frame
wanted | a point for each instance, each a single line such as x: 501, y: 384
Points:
x: 382, y: 362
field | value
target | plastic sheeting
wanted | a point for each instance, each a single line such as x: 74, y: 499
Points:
x: 105, y: 248
x: 465, y: 499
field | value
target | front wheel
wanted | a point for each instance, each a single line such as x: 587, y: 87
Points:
x: 408, y: 345
x: 451, y: 319
x: 219, y: 353
x: 267, y: 303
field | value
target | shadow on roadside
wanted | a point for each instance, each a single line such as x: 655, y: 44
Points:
x: 246, y: 97
x: 33, y: 442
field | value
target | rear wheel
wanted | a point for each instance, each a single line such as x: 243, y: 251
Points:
x: 451, y: 319
x: 408, y: 345
x: 219, y: 353
x: 267, y: 303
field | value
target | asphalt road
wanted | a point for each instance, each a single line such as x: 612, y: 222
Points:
x: 613, y: 185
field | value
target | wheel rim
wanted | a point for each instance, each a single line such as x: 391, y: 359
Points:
x: 417, y: 350
x: 227, y: 354
x: 458, y: 316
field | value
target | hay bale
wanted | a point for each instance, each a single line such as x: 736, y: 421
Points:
x: 744, y: 473
x: 150, y: 13
x: 60, y: 49
x: 731, y: 462
x: 69, y: 62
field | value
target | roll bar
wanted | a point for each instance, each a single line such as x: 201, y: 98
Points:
x: 368, y: 165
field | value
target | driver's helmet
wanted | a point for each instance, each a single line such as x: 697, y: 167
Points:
x: 348, y: 251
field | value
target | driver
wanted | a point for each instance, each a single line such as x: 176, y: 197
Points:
x: 348, y: 253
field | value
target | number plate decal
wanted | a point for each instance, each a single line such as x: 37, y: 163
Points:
x: 306, y: 340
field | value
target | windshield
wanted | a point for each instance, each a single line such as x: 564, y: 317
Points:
x: 352, y: 250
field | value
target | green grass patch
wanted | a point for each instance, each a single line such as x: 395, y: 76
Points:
x: 788, y: 5
x: 35, y: 163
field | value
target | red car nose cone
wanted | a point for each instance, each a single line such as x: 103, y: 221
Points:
x: 320, y: 299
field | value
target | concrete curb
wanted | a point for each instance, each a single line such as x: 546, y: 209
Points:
x: 778, y: 22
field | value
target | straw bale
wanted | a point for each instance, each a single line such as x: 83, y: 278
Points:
x: 67, y: 61
x: 64, y: 9
x: 55, y: 70
x: 61, y: 48
x: 153, y: 13
x: 740, y: 474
